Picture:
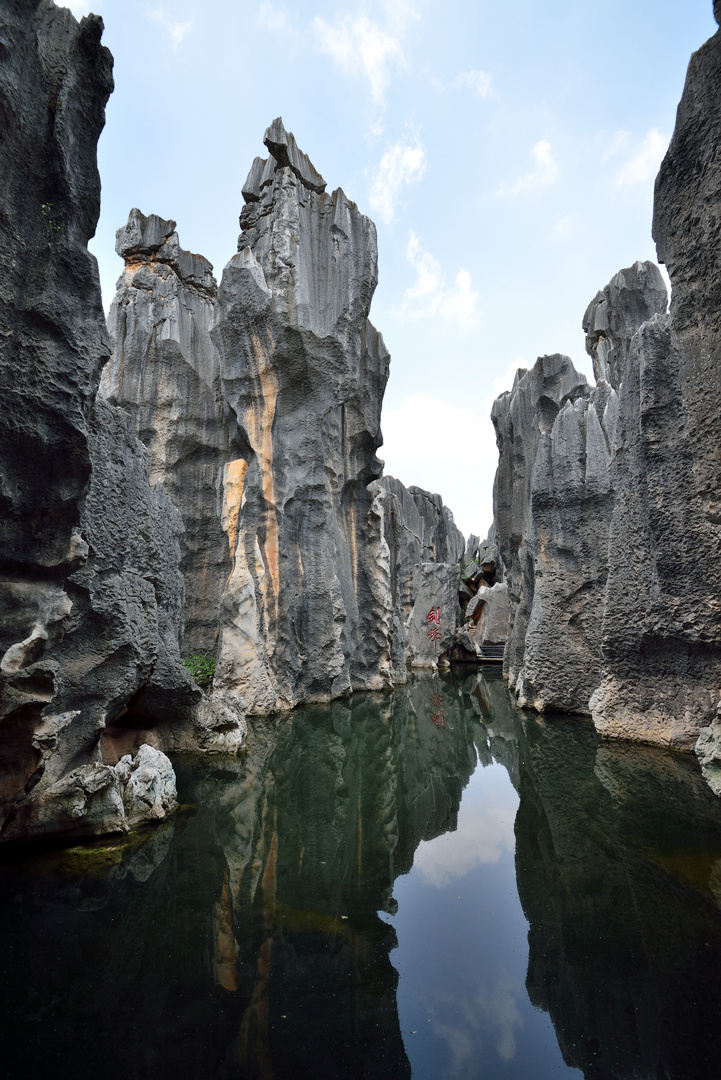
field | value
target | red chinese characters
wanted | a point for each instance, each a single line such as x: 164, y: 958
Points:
x: 433, y: 618
x: 439, y: 715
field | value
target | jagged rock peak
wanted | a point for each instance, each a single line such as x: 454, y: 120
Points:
x: 631, y: 298
x: 152, y: 239
x: 717, y: 11
x: 284, y: 153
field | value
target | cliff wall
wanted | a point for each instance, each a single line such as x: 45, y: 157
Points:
x: 662, y: 626
x: 260, y: 408
x: 554, y: 499
x: 606, y: 500
x: 164, y: 372
x: 91, y: 598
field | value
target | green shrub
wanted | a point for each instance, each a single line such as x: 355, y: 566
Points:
x: 47, y: 211
x: 202, y: 668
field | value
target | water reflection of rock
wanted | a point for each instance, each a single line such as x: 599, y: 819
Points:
x: 345, y: 797
x: 618, y: 851
x: 253, y: 947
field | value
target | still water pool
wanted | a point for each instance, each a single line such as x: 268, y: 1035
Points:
x: 428, y: 883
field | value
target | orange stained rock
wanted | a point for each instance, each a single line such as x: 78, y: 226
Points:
x: 225, y: 964
x: 233, y: 483
x: 259, y: 425
x: 253, y: 1045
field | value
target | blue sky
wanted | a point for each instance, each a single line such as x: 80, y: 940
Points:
x: 505, y: 151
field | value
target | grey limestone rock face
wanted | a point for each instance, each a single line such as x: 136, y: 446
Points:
x: 662, y: 629
x: 91, y: 597
x: 555, y: 494
x: 304, y: 615
x: 259, y: 404
x: 708, y: 751
x: 310, y: 611
x: 100, y: 800
x: 425, y: 550
x: 614, y: 315
x: 488, y: 612
x: 164, y: 373
x: 552, y: 502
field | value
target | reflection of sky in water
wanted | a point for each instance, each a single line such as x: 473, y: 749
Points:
x: 463, y: 954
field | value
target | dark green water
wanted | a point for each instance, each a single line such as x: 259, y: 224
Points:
x: 423, y: 884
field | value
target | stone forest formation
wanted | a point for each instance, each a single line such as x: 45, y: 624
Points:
x: 200, y: 474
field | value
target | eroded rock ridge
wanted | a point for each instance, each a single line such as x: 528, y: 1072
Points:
x: 310, y: 573
x: 607, y: 498
x: 91, y: 596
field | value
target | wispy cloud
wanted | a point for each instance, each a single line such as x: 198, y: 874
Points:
x: 446, y: 447
x: 430, y: 296
x: 644, y: 164
x: 175, y: 30
x: 402, y: 164
x: 480, y: 81
x: 544, y: 173
x: 359, y: 46
x: 617, y: 143
x: 273, y: 18
x: 81, y: 7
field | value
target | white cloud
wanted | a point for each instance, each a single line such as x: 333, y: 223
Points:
x: 644, y: 165
x: 272, y: 18
x: 175, y: 30
x: 361, y: 47
x: 82, y: 7
x: 505, y: 381
x: 446, y: 448
x: 619, y: 140
x: 430, y: 297
x: 479, y: 81
x: 403, y: 163
x: 473, y: 844
x: 544, y: 173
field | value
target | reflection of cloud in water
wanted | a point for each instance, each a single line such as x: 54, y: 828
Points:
x: 492, y: 1013
x: 481, y: 838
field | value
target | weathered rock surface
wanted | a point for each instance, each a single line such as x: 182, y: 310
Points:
x: 554, y: 498
x: 91, y: 598
x: 614, y: 315
x: 260, y: 409
x: 488, y: 613
x: 425, y: 550
x: 264, y: 431
x: 608, y: 512
x: 662, y: 627
x: 100, y: 800
x: 552, y: 501
x: 305, y: 614
x: 164, y: 373
x: 708, y: 751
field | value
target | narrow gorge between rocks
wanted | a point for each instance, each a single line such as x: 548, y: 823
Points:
x: 424, y: 883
